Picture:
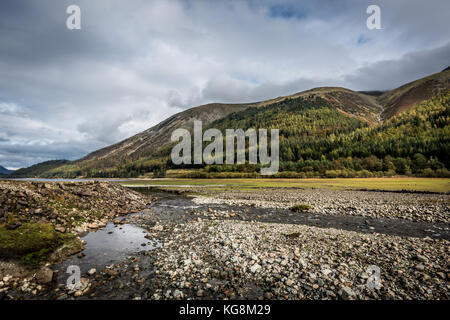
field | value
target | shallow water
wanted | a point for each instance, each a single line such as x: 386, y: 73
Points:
x: 173, y: 207
x: 109, y: 245
x: 114, y: 244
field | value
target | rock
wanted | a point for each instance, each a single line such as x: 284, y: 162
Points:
x: 60, y: 229
x: 331, y: 293
x: 422, y: 258
x: 177, y: 294
x: 78, y: 293
x: 268, y: 295
x: 44, y: 276
x: 92, y: 271
x: 111, y: 272
x: 420, y: 267
x: 254, y: 268
x: 326, y: 272
x: 346, y: 293
x: 92, y: 226
x: 200, y: 293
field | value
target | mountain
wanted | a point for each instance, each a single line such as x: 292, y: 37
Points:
x: 38, y: 169
x: 145, y: 143
x: 315, y: 130
x: 404, y: 97
x: 327, y: 124
x: 4, y: 171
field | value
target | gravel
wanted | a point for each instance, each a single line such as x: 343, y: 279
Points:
x: 238, y: 259
x: 410, y: 206
x: 214, y: 255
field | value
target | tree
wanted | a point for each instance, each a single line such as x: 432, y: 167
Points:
x: 419, y: 162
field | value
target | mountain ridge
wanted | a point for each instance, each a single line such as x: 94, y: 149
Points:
x: 370, y: 108
x: 4, y: 171
x: 404, y: 97
x: 341, y: 97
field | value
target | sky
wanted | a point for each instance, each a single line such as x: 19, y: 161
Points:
x: 65, y: 93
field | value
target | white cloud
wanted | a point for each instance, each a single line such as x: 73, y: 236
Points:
x: 136, y: 62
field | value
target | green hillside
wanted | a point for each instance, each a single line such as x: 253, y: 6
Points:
x: 39, y: 169
x: 324, y: 132
x: 318, y: 140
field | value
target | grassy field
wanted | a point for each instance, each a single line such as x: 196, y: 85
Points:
x: 394, y: 184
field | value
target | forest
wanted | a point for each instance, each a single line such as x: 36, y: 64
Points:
x: 316, y: 140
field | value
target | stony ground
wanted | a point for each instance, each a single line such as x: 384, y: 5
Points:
x: 208, y: 253
x: 69, y: 206
x: 215, y: 254
x: 235, y: 259
x: 411, y: 206
x: 69, y: 209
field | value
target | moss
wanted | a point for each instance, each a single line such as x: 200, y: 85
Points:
x: 301, y: 208
x: 32, y: 243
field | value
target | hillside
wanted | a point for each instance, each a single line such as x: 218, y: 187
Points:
x: 145, y: 143
x: 3, y: 170
x: 314, y: 137
x: 37, y: 169
x: 410, y: 94
x: 321, y: 126
x: 153, y: 143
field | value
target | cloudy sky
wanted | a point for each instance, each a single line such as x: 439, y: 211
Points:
x: 65, y: 93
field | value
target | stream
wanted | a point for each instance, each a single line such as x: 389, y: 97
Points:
x: 126, y: 245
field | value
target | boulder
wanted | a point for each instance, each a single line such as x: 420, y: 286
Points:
x: 44, y: 276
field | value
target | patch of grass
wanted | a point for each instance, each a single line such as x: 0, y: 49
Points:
x: 35, y: 259
x: 32, y: 243
x: 301, y: 208
x: 390, y: 184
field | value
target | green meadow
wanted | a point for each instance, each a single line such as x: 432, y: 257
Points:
x: 390, y: 184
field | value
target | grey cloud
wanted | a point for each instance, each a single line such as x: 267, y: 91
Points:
x: 389, y: 74
x: 65, y: 93
x: 382, y: 75
x: 104, y: 129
